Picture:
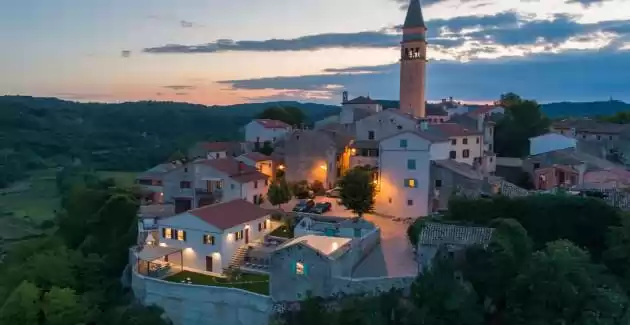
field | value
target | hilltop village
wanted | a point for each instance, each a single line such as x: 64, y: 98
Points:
x: 234, y: 234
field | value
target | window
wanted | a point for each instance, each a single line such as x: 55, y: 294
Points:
x: 583, y: 136
x: 452, y: 154
x: 186, y: 170
x: 477, y: 140
x: 238, y: 235
x: 403, y: 143
x: 181, y: 235
x: 184, y: 184
x: 466, y: 153
x: 610, y: 137
x: 370, y: 135
x: 218, y: 155
x: 465, y: 141
x: 490, y: 146
x: 167, y: 233
x: 300, y: 269
x: 536, y: 166
x: 255, y: 184
x: 411, y: 183
x: 231, y: 186
x: 411, y: 164
x: 390, y: 200
x: 208, y: 239
x: 409, y: 202
x: 599, y: 137
x: 490, y: 131
x: 438, y: 183
x: 219, y: 185
x: 454, y: 141
x: 266, y: 182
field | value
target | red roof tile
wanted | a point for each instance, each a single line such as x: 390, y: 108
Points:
x: 229, y: 214
x: 272, y: 124
x: 454, y: 130
x: 219, y: 146
x: 236, y: 170
x: 257, y: 156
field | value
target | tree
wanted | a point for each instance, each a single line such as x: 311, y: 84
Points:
x: 278, y: 193
x: 288, y: 114
x: 63, y: 307
x: 560, y: 285
x: 177, y: 156
x: 522, y: 120
x: 617, y: 256
x: 22, y: 306
x: 440, y: 298
x: 266, y: 149
x: 357, y: 191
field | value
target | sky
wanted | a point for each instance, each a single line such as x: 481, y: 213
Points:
x: 226, y: 52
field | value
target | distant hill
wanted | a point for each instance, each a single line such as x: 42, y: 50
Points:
x: 566, y: 109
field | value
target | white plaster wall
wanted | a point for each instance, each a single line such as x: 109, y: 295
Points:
x: 363, y: 161
x: 230, y: 244
x: 194, y: 251
x: 440, y: 150
x: 187, y: 304
x: 367, y: 107
x: 254, y: 132
x: 383, y: 124
x: 474, y: 147
x: 392, y: 196
x: 257, y: 188
x: 550, y: 142
x: 216, y: 154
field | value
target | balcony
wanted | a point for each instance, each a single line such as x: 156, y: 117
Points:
x: 205, y: 194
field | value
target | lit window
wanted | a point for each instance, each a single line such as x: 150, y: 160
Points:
x: 411, y: 183
x: 403, y: 143
x: 181, y: 235
x: 299, y: 268
x: 167, y: 233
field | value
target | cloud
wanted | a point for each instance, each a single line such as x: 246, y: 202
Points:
x: 573, y: 75
x: 189, y: 24
x: 587, y: 3
x: 125, y: 53
x: 180, y: 87
x: 181, y: 94
x: 457, y: 37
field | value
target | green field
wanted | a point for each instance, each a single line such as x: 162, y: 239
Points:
x: 28, y: 203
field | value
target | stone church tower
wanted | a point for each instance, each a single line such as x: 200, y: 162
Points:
x: 413, y: 59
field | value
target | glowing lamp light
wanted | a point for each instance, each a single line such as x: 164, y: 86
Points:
x: 281, y: 167
x: 246, y: 226
x: 162, y: 244
x: 323, y: 167
x: 335, y: 246
x: 354, y: 151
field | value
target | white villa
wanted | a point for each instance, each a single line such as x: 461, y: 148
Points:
x: 265, y: 130
x: 210, y: 236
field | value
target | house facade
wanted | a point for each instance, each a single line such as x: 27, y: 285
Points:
x: 466, y: 144
x: 151, y: 182
x: 263, y: 163
x: 403, y: 184
x: 209, y: 181
x: 216, y: 150
x: 265, y: 130
x: 210, y: 236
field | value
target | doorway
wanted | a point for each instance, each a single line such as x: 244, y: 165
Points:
x: 209, y: 263
x: 247, y: 236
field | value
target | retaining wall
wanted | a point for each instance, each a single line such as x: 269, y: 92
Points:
x: 188, y: 304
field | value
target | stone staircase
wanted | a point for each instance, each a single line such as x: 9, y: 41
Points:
x: 238, y: 258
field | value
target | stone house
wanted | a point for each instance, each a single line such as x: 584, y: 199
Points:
x: 309, y: 264
x: 263, y: 163
x: 316, y: 155
x: 151, y: 181
x: 213, y: 150
x: 449, y: 177
x: 449, y: 241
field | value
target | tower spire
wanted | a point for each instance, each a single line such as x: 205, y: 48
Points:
x: 414, y: 17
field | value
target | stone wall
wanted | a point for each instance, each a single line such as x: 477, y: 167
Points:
x: 370, y: 286
x: 187, y: 304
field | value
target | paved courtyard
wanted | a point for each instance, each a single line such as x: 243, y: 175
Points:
x: 394, y: 257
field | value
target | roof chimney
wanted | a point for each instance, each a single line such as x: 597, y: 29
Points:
x: 240, y: 167
x: 344, y: 97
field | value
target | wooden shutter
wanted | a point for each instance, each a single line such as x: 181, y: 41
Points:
x: 184, y: 234
x: 163, y: 232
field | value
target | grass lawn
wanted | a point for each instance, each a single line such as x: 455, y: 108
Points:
x: 35, y: 197
x: 257, y: 283
x: 122, y: 178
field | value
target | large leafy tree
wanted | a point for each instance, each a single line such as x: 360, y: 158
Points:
x: 617, y: 256
x: 279, y: 193
x: 63, y: 307
x: 287, y: 114
x: 440, y: 297
x: 522, y: 120
x: 357, y: 191
x: 22, y: 306
x: 560, y: 285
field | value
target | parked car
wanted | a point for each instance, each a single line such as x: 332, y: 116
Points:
x: 335, y: 192
x: 305, y: 195
x: 321, y: 207
x: 304, y: 206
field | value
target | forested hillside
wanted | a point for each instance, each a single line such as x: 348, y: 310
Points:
x: 48, y: 132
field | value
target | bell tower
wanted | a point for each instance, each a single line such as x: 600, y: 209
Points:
x: 413, y: 61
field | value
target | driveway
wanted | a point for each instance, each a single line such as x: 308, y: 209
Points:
x: 393, y: 257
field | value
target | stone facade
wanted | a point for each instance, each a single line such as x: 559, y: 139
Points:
x: 187, y: 304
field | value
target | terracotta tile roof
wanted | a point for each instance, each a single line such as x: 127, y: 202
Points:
x: 229, y: 214
x: 257, y: 156
x: 438, y: 234
x: 435, y: 110
x: 587, y: 125
x: 272, y: 124
x: 218, y: 146
x: 236, y: 170
x: 431, y: 137
x: 361, y: 100
x: 454, y: 130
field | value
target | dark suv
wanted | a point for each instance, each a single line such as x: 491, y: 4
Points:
x: 304, y: 206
